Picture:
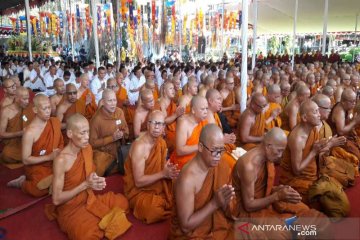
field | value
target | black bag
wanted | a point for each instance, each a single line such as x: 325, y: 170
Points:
x: 119, y: 162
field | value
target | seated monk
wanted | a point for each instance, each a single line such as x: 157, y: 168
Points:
x: 188, y: 130
x: 191, y: 91
x: 121, y: 93
x: 251, y: 127
x: 230, y: 106
x: 345, y: 84
x: 150, y: 85
x: 79, y: 212
x: 142, y: 111
x: 172, y: 113
x: 14, y: 118
x: 178, y: 90
x: 329, y: 91
x: 148, y: 185
x: 257, y: 199
x: 107, y: 128
x: 285, y: 91
x: 298, y: 165
x: 84, y: 94
x: 111, y: 84
x: 9, y: 87
x: 310, y: 80
x: 343, y: 123
x: 214, y: 99
x: 208, y: 84
x: 202, y: 193
x: 41, y: 143
x: 55, y: 99
x: 290, y: 116
x: 273, y: 109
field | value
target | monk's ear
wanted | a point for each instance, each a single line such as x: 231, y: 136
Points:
x: 69, y: 133
x: 35, y: 110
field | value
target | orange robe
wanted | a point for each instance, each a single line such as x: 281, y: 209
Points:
x: 77, y: 107
x: 257, y: 130
x: 91, y: 108
x: 89, y: 216
x: 121, y: 96
x: 277, y: 121
x: 178, y: 94
x: 154, y: 202
x: 314, y: 90
x: 227, y: 157
x: 192, y: 140
x: 231, y: 116
x: 188, y: 108
x: 308, y: 176
x: 102, y: 127
x: 11, y: 154
x: 143, y: 127
x: 171, y: 128
x: 284, y: 102
x: 285, y: 125
x: 215, y: 226
x: 50, y: 139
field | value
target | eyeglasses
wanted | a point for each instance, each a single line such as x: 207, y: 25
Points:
x: 214, y: 153
x: 71, y: 93
x: 156, y: 123
x: 12, y: 86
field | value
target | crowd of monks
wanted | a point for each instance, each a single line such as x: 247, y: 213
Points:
x: 304, y: 122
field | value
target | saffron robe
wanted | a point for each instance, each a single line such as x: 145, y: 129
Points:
x: 171, y: 128
x: 275, y: 122
x: 231, y: 116
x: 91, y: 108
x: 256, y: 130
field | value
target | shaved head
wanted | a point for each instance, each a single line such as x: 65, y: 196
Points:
x: 73, y: 122
x: 322, y: 100
x: 275, y: 136
x: 156, y: 114
x: 40, y: 98
x: 273, y: 89
x: 211, y: 93
x: 209, y: 81
x: 58, y: 82
x: 70, y: 87
x: 302, y: 90
x: 8, y: 82
x: 209, y: 133
x: 107, y: 92
x: 21, y: 90
x: 328, y: 91
x: 196, y: 101
x: 145, y: 93
x: 348, y: 95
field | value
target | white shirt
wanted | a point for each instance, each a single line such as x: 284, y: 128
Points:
x: 198, y: 76
x: 95, y: 85
x: 7, y: 73
x: 44, y: 70
x: 60, y: 72
x: 49, y: 82
x: 38, y: 84
x: 184, y: 80
x: 20, y: 69
x: 134, y: 84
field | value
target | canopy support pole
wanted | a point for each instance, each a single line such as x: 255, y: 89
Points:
x: 326, y: 8
x: 254, y: 34
x: 95, y: 33
x: 294, y: 34
x: 28, y: 26
x: 244, y: 44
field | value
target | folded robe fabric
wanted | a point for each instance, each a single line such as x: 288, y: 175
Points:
x: 90, y: 108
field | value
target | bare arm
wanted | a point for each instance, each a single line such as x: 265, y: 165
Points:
x: 60, y: 113
x: 292, y: 114
x: 296, y: 145
x: 181, y: 138
x: 137, y: 124
x: 341, y: 127
x: 185, y: 201
x: 3, y: 124
x: 53, y: 106
x: 245, y: 125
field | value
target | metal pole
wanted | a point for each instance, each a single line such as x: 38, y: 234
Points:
x: 326, y: 8
x: 71, y: 32
x: 254, y: 34
x: 244, y: 43
x: 222, y: 30
x: 118, y: 32
x: 180, y: 30
x: 294, y: 34
x: 96, y: 40
x: 28, y: 26
x: 356, y: 22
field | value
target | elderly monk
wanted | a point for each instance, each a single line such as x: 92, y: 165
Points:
x: 209, y: 83
x: 285, y: 91
x: 79, y: 212
x: 121, y: 93
x: 41, y: 143
x: 55, y: 100
x: 202, y: 193
x: 188, y: 130
x: 84, y: 94
x: 231, y: 108
x: 343, y: 124
x: 345, y: 83
x: 251, y: 127
x: 143, y: 110
x: 14, y: 118
x: 273, y: 109
x: 172, y: 113
x: 9, y: 87
x: 148, y: 184
x: 107, y: 129
x: 178, y: 90
x: 329, y: 91
x: 214, y: 99
x: 257, y: 199
x: 290, y: 115
x: 298, y: 165
x: 191, y: 91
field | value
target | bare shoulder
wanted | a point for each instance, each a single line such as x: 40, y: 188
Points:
x: 137, y: 149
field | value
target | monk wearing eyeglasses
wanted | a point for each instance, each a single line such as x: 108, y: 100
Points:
x: 251, y: 127
x: 148, y: 175
x: 188, y: 130
x: 203, y: 193
x: 10, y: 92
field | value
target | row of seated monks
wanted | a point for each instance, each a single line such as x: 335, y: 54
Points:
x: 180, y: 165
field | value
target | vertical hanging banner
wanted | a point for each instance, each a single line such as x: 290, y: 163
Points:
x: 153, y: 12
x: 239, y: 21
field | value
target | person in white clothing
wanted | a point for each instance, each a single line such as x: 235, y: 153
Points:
x: 136, y: 82
x: 49, y: 79
x: 199, y: 72
x: 68, y: 77
x: 45, y: 68
x: 126, y: 82
x: 36, y: 79
x: 7, y: 72
x: 98, y: 84
x: 27, y: 71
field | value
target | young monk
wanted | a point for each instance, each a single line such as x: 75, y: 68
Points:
x: 231, y: 108
x: 143, y: 110
x: 172, y: 113
x: 107, y: 128
x: 41, y: 143
x: 148, y: 184
x: 9, y: 87
x: 273, y: 109
x: 298, y: 165
x: 290, y: 116
x: 188, y: 130
x: 214, y: 99
x: 257, y: 199
x: 79, y: 212
x: 55, y: 100
x: 14, y: 118
x: 85, y: 95
x: 251, y: 127
x: 202, y: 193
x: 191, y: 91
